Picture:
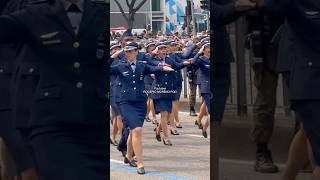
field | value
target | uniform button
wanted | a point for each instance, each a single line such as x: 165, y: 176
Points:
x: 134, y: 88
x: 76, y: 65
x: 76, y: 44
x: 133, y: 81
x: 309, y: 63
x: 31, y: 70
x: 46, y: 94
x: 79, y: 85
x: 165, y: 83
x: 133, y: 75
x: 166, y: 74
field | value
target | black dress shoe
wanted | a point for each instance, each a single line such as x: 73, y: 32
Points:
x: 204, y: 133
x: 167, y: 142
x: 141, y: 170
x: 158, y: 136
x: 131, y: 163
x: 178, y: 125
x: 264, y: 163
x: 115, y: 143
x: 148, y: 119
x: 124, y: 153
x: 200, y: 126
x: 174, y: 132
x: 193, y: 112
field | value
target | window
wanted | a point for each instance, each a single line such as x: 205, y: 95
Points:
x: 156, y: 5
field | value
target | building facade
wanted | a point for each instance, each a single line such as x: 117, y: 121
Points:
x: 162, y: 15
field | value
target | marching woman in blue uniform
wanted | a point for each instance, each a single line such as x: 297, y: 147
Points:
x: 174, y: 117
x: 114, y: 93
x: 203, y: 63
x: 165, y: 88
x: 68, y: 116
x: 133, y: 99
x: 148, y: 81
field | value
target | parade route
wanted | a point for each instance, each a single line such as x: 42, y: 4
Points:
x: 187, y: 159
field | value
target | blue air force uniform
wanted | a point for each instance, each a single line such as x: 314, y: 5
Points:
x: 132, y: 96
x: 178, y: 74
x: 68, y: 120
x: 203, y: 63
x: 165, y: 85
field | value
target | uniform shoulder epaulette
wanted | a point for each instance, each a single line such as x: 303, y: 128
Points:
x: 34, y: 2
x: 100, y: 1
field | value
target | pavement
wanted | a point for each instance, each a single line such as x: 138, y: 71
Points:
x: 188, y: 158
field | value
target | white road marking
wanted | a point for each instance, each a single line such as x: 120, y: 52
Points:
x: 116, y: 161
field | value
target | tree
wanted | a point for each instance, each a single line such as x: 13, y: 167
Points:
x: 132, y: 11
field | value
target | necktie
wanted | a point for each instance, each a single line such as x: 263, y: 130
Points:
x: 74, y: 8
x: 133, y: 66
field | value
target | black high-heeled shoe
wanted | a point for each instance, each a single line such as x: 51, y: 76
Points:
x: 167, y: 142
x: 158, y: 136
x: 115, y: 143
x: 147, y: 119
x: 204, y: 133
x: 196, y: 123
x: 141, y: 170
x: 131, y: 163
x: 200, y: 126
x: 174, y: 132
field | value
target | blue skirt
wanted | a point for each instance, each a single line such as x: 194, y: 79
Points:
x: 133, y: 113
x: 162, y: 105
x: 206, y: 97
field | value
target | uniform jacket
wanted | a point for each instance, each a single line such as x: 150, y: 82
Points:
x: 203, y: 63
x: 303, y: 17
x: 73, y: 79
x: 165, y: 81
x: 132, y: 83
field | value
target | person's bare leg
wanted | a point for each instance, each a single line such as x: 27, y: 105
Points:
x: 6, y: 162
x: 119, y: 124
x: 175, y: 111
x: 207, y: 123
x: 297, y: 156
x: 152, y: 109
x: 316, y: 173
x: 137, y: 145
x: 29, y: 174
x: 115, y: 129
x: 129, y: 146
x: 163, y: 124
x: 148, y: 107
x: 202, y: 112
